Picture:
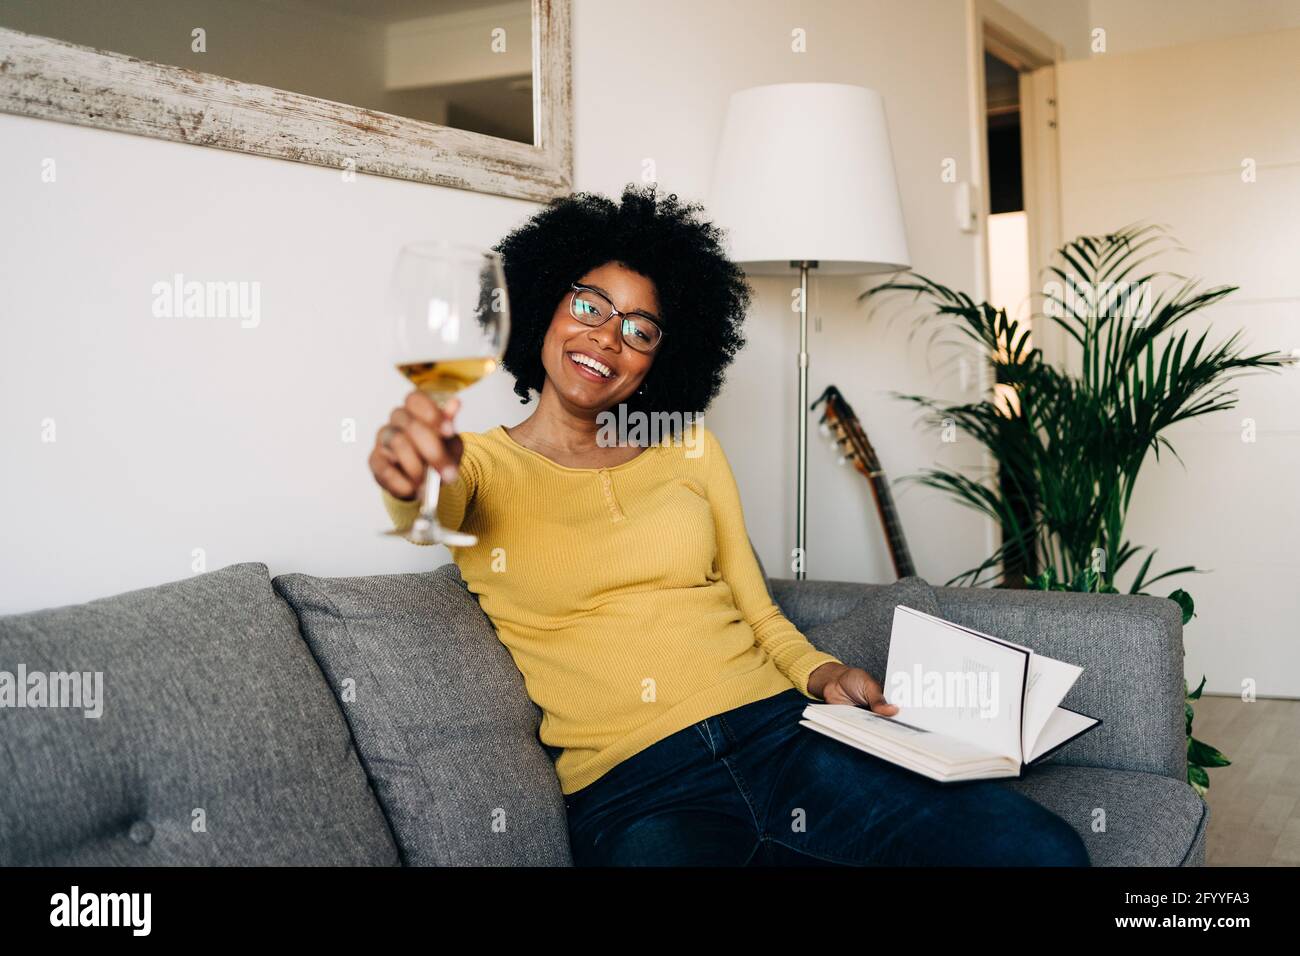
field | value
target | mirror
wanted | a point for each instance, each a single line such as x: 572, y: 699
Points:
x: 323, y: 81
x: 452, y: 62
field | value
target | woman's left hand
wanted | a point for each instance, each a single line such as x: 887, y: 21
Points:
x: 842, y: 684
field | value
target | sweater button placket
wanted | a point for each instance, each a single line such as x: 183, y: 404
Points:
x: 606, y: 483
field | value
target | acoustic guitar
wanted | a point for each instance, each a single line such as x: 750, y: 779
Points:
x: 849, y: 435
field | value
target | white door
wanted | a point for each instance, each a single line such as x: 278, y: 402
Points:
x: 1205, y: 138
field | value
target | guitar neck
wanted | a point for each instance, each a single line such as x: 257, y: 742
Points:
x: 898, y: 550
x: 854, y: 436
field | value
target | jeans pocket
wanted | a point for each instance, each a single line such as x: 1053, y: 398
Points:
x: 757, y: 720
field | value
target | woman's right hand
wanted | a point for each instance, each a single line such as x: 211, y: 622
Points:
x: 419, y: 434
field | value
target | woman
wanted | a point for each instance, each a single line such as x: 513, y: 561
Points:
x: 621, y: 578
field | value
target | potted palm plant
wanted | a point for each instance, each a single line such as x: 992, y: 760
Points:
x: 1069, y: 443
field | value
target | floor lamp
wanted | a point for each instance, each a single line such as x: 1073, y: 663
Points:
x: 804, y: 179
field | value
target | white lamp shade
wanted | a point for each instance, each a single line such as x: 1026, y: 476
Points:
x: 805, y: 171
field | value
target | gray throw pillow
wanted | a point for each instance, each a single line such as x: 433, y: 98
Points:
x: 218, y: 743
x: 860, y: 637
x: 444, y: 726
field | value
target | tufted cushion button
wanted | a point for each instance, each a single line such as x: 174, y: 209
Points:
x: 140, y: 832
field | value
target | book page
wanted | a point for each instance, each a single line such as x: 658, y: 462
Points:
x: 949, y: 680
x: 899, y: 740
x: 1049, y: 681
x: 1061, y: 726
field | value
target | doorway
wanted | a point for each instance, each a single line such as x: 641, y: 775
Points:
x: 1013, y: 90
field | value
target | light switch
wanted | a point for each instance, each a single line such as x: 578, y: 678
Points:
x: 967, y: 214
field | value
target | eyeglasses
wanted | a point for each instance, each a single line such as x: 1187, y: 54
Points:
x: 639, y: 331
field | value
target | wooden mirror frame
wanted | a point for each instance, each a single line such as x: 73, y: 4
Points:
x: 53, y: 80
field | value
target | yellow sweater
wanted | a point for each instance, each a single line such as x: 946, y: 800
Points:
x: 629, y: 597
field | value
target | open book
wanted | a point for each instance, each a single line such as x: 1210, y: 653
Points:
x: 970, y: 706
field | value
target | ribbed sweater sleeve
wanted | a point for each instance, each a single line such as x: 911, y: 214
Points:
x: 793, y: 654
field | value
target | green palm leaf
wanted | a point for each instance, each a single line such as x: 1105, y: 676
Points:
x: 1069, y: 458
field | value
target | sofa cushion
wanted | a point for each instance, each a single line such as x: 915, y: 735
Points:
x: 1110, y: 636
x: 1131, y: 650
x: 440, y: 715
x: 1125, y: 817
x: 860, y: 635
x: 218, y: 742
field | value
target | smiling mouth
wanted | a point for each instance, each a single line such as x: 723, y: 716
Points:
x: 590, y: 366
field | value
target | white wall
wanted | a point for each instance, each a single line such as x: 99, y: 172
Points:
x: 664, y: 113
x: 1161, y: 135
x: 1131, y: 25
x: 181, y: 434
x: 175, y: 434
x: 1150, y: 24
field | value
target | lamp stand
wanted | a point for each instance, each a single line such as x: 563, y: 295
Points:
x: 801, y: 513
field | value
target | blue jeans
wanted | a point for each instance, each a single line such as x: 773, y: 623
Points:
x: 752, y: 787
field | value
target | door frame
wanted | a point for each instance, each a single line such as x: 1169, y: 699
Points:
x: 992, y: 27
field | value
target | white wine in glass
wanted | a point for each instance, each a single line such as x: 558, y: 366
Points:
x: 442, y: 380
x: 450, y: 315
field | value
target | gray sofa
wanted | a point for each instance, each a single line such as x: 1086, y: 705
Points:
x: 378, y: 721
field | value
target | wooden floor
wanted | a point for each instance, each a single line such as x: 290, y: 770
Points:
x: 1255, y: 802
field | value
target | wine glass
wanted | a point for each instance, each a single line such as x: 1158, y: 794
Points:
x: 450, y: 316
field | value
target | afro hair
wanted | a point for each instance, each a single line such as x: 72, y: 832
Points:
x: 703, y: 296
